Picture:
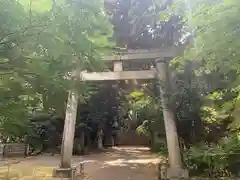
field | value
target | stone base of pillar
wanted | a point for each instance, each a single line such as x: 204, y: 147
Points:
x: 166, y: 173
x: 70, y: 173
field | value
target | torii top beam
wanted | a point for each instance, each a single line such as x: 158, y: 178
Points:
x: 143, y: 54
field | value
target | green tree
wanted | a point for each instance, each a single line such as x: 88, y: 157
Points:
x: 40, y: 45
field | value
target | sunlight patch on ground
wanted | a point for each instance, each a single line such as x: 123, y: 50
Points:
x: 26, y: 172
x: 129, y: 148
x: 125, y: 162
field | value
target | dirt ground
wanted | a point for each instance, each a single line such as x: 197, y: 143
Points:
x: 120, y: 163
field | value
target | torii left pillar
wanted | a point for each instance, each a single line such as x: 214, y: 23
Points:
x: 66, y: 170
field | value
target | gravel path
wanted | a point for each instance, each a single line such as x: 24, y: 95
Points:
x: 122, y: 163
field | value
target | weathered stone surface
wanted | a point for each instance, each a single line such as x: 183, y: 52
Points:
x: 69, y: 129
x: 162, y: 171
x: 118, y: 75
x: 74, y: 173
x: 143, y: 54
x: 177, y: 173
x: 65, y: 173
x: 172, y: 173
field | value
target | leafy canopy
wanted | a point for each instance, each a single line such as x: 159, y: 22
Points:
x: 41, y: 43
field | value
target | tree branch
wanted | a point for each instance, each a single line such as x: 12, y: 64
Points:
x: 19, y: 33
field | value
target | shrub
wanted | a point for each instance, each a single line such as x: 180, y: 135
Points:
x: 232, y: 149
x: 214, y: 160
x: 160, y: 148
x: 205, y: 160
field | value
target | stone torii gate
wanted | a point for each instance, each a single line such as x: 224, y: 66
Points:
x: 159, y: 59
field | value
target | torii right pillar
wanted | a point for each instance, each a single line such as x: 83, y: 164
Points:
x: 175, y: 170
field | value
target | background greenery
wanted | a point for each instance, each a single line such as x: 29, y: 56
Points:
x: 42, y: 41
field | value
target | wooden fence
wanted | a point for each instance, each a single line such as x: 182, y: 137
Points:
x: 13, y: 150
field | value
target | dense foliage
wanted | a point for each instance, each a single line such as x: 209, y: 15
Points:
x: 42, y: 42
x: 205, y: 80
x: 40, y: 45
x: 213, y: 84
